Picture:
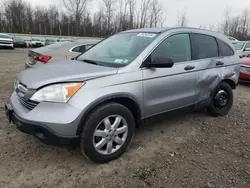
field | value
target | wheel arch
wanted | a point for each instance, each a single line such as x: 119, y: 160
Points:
x: 230, y: 82
x: 124, y: 99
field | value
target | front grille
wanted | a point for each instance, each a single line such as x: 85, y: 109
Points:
x: 5, y: 42
x: 28, y: 104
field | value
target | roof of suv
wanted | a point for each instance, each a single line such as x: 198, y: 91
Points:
x: 188, y: 29
x: 164, y: 29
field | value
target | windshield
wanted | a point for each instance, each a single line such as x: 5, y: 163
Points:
x: 118, y: 50
x: 238, y: 45
x: 5, y: 36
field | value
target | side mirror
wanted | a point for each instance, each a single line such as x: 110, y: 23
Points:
x: 247, y: 49
x: 161, y: 62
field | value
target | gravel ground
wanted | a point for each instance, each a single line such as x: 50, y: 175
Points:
x: 188, y: 150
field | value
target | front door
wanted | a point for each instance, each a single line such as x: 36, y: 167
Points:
x: 166, y: 89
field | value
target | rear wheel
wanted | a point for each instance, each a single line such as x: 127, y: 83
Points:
x: 107, y: 133
x: 221, y: 100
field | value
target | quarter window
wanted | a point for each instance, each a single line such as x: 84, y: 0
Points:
x: 206, y: 46
x: 225, y: 50
x: 176, y: 47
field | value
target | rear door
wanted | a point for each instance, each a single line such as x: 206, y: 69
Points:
x: 209, y: 64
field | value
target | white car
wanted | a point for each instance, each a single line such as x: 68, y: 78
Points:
x: 36, y: 42
x: 232, y: 39
x: 6, y: 41
x: 66, y: 40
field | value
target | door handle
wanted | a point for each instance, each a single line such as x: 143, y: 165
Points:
x: 189, y: 67
x: 219, y: 63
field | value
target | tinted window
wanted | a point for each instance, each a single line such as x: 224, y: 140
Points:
x: 79, y: 49
x: 176, y: 47
x: 225, y: 50
x: 206, y: 46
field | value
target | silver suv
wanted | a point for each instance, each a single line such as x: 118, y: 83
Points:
x: 99, y: 98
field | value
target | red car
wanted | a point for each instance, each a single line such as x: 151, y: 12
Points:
x: 245, y: 70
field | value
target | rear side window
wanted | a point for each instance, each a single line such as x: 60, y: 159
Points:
x: 225, y: 50
x: 206, y: 46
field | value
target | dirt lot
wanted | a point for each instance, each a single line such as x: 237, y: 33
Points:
x: 192, y: 150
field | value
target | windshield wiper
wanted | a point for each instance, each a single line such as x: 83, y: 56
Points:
x: 90, y: 61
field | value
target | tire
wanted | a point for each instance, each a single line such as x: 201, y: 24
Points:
x: 219, y: 110
x: 94, y: 122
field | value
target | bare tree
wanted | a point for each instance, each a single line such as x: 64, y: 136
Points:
x: 237, y: 26
x: 182, y: 20
x: 109, y: 11
x: 143, y: 14
x: 76, y: 8
x: 156, y: 13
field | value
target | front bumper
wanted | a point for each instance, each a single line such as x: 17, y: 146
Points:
x: 52, y: 123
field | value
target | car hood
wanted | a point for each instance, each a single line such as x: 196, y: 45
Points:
x: 62, y: 71
x: 245, y: 61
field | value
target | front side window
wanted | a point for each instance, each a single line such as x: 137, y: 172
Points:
x: 225, y: 50
x: 176, y: 47
x: 118, y: 50
x: 206, y: 46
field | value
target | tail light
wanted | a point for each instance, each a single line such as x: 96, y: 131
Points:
x: 42, y: 58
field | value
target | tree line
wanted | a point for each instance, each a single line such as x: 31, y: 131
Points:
x: 77, y: 18
x: 236, y: 26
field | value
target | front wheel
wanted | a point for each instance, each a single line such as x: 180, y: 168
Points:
x: 221, y: 100
x: 107, y: 133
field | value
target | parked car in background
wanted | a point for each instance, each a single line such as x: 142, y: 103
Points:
x: 98, y: 99
x: 66, y: 40
x: 50, y: 41
x: 245, y: 69
x: 28, y: 42
x: 242, y: 48
x: 232, y: 39
x: 36, y: 42
x: 58, y: 51
x: 19, y: 42
x: 43, y: 42
x: 6, y: 41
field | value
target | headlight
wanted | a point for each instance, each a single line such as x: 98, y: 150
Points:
x: 57, y: 92
x: 243, y: 69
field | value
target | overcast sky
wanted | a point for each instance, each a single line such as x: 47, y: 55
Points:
x: 199, y: 12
